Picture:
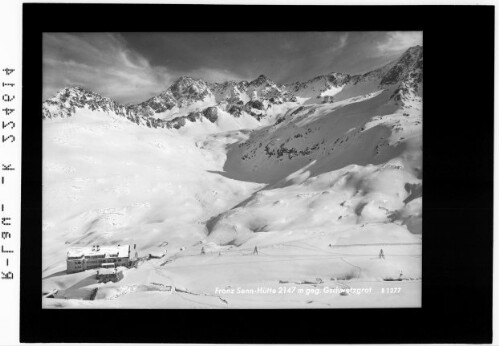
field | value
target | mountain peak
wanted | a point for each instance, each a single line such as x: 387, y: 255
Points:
x: 66, y: 100
x: 70, y: 89
x: 72, y: 93
x: 188, y: 86
x: 411, y: 55
x: 261, y: 79
x: 184, y: 82
x: 184, y: 79
x: 187, y: 91
x: 411, y: 61
x: 415, y: 48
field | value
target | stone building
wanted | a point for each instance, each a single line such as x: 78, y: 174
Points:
x: 107, y: 274
x: 83, y: 258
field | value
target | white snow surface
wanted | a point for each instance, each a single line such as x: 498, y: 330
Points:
x: 107, y: 251
x: 317, y: 189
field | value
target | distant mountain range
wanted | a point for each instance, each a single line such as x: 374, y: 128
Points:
x: 193, y: 100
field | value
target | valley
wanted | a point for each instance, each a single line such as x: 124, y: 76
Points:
x: 318, y: 176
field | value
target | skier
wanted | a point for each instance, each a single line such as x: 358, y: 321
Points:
x: 255, y: 251
x: 381, y: 254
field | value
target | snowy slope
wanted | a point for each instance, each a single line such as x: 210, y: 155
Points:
x: 318, y: 175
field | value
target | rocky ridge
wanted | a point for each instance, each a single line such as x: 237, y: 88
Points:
x: 192, y: 100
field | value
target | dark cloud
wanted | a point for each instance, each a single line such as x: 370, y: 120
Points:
x: 131, y: 67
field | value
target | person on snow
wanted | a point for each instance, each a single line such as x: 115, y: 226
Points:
x: 381, y: 254
x: 255, y: 251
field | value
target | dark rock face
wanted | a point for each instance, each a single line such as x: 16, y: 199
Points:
x: 257, y: 116
x: 411, y: 61
x: 211, y: 113
x: 235, y: 110
x: 262, y: 79
x: 257, y: 104
x: 160, y: 107
x: 328, y: 99
x: 189, y: 88
x: 272, y: 150
x: 276, y: 100
x: 337, y: 79
x: 253, y: 105
x: 409, y: 73
x: 280, y: 120
x: 176, y: 123
x: 194, y: 116
x: 393, y: 75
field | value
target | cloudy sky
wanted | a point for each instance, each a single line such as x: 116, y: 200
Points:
x: 131, y: 67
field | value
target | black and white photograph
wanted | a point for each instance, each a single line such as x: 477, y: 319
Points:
x: 232, y: 170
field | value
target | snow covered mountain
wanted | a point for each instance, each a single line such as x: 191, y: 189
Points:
x: 189, y: 99
x: 319, y: 175
x: 65, y: 103
x: 375, y: 120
